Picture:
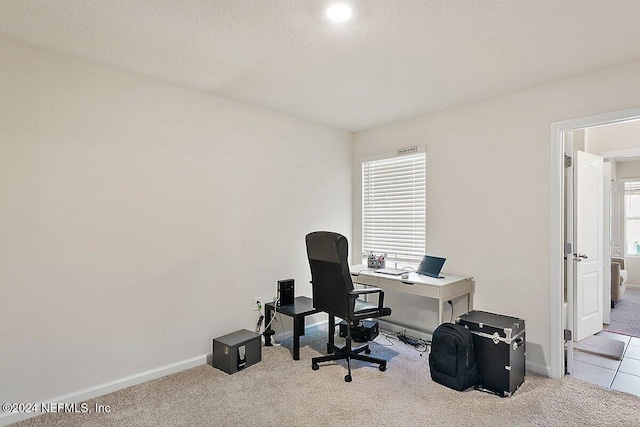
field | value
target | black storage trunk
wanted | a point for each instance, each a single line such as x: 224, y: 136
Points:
x: 500, y: 350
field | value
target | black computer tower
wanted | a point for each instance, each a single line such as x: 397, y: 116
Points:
x: 236, y: 351
x: 500, y: 350
x: 286, y: 292
x: 367, y: 330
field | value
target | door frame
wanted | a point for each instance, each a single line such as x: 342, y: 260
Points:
x: 556, y: 231
x: 606, y: 314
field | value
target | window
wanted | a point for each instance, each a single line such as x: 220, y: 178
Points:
x: 632, y: 217
x: 394, y: 207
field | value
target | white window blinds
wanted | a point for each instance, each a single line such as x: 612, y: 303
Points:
x: 632, y: 187
x: 394, y: 207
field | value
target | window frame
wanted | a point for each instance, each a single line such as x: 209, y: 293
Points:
x: 626, y: 218
x: 416, y: 248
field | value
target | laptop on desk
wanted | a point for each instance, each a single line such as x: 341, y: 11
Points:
x: 431, y: 266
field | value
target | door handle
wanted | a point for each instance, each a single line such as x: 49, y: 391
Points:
x: 579, y: 257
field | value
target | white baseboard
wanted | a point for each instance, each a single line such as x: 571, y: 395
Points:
x: 413, y: 333
x: 283, y: 335
x: 102, y: 389
x: 315, y: 326
x: 539, y: 369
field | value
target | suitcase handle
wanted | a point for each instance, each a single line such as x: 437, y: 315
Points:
x: 517, y: 343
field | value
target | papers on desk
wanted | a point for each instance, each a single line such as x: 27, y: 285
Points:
x: 392, y: 271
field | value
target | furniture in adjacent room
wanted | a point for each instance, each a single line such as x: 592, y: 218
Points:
x: 301, y: 307
x: 334, y: 293
x: 446, y: 289
x: 618, y: 279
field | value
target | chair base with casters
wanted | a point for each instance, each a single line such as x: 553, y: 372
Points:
x: 348, y: 353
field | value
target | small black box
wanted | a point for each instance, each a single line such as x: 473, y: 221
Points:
x: 236, y: 351
x: 366, y: 331
x: 500, y: 350
x: 285, y: 292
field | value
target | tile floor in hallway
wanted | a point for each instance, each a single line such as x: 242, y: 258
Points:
x: 623, y: 375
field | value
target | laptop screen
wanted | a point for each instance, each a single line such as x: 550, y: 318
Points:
x: 431, y: 266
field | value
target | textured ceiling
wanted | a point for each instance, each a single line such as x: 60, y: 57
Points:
x: 395, y: 59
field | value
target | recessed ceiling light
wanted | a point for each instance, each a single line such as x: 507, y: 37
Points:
x: 339, y: 12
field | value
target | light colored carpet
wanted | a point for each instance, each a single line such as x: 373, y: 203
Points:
x: 279, y: 391
x: 625, y: 317
x: 606, y: 347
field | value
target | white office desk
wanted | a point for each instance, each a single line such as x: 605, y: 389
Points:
x: 446, y: 289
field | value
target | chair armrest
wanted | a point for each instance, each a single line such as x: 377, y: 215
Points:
x: 353, y: 294
x: 366, y: 291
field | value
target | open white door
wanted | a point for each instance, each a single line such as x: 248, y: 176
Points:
x: 617, y: 219
x: 588, y: 244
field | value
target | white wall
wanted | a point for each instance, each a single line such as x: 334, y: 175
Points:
x: 488, y: 188
x: 139, y: 219
x: 618, y: 137
x: 626, y: 170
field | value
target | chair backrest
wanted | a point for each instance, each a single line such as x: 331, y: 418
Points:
x: 330, y: 276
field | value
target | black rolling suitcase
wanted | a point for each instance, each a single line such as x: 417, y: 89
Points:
x: 500, y: 350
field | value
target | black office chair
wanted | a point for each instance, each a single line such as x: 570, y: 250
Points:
x: 334, y: 294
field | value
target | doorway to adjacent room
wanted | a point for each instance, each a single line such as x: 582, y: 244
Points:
x: 580, y: 249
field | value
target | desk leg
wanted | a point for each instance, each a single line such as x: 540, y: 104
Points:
x: 296, y: 336
x: 440, y: 311
x: 268, y: 331
x: 301, y: 325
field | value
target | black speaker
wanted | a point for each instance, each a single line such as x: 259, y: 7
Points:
x: 236, y: 351
x: 285, y: 292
